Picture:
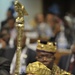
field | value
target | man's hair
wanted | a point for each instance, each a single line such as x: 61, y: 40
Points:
x: 11, y: 10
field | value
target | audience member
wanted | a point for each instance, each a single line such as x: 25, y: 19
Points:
x: 68, y: 33
x: 49, y: 19
x: 67, y: 62
x: 11, y: 27
x: 8, y: 15
x: 56, y: 29
x: 4, y: 63
x: 5, y: 35
x: 27, y: 56
x: 42, y: 28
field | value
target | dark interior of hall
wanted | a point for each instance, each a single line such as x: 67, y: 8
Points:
x: 64, y: 6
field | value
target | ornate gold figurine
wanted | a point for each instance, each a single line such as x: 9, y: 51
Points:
x: 20, y: 29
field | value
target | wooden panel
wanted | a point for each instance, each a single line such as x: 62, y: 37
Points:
x: 59, y: 54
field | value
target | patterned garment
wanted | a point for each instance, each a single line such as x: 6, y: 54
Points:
x: 57, y: 71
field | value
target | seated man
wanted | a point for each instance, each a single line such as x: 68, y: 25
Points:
x: 27, y: 56
x: 45, y: 55
x: 37, y: 68
x: 67, y: 62
x: 4, y: 63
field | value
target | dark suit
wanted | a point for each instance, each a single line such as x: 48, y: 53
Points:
x: 4, y: 66
x: 3, y: 23
x: 64, y: 63
x: 9, y: 54
x: 31, y: 56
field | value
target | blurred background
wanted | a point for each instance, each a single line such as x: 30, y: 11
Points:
x: 48, y: 20
x: 53, y: 20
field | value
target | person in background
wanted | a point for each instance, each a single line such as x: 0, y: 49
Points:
x: 49, y: 19
x: 27, y: 56
x: 12, y: 8
x: 67, y: 62
x: 42, y: 28
x: 11, y: 27
x: 8, y: 15
x: 68, y: 32
x: 39, y: 18
x: 4, y: 63
x: 56, y: 30
x: 5, y: 36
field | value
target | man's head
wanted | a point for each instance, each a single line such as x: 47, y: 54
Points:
x: 39, y: 18
x: 11, y: 22
x: 73, y: 48
x: 5, y: 35
x: 50, y: 18
x: 9, y: 13
x: 45, y: 53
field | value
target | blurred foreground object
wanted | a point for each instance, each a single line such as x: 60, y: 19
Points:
x: 20, y: 29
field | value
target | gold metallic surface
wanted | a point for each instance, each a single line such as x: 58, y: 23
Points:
x: 49, y: 47
x: 37, y: 68
x: 20, y: 29
x: 57, y: 71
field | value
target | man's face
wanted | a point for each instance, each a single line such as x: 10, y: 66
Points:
x: 40, y: 18
x: 9, y: 14
x: 46, y: 58
x: 11, y: 23
x: 49, y: 17
x: 6, y: 36
x: 50, y: 20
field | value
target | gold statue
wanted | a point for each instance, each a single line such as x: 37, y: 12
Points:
x: 20, y: 29
x: 21, y: 12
